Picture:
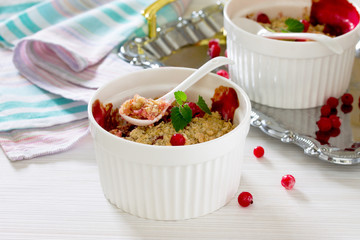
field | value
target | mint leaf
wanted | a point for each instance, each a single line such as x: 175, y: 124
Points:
x: 186, y: 112
x: 202, y: 105
x: 294, y: 25
x: 180, y: 97
x: 177, y: 119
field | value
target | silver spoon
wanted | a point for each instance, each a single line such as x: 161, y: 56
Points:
x: 184, y: 85
x: 255, y: 28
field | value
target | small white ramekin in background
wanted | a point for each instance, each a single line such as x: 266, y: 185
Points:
x: 285, y: 74
x: 169, y: 182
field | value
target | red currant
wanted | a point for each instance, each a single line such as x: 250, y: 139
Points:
x: 196, y: 110
x: 213, y: 42
x: 245, y: 199
x: 332, y: 102
x: 223, y: 73
x: 335, y: 121
x: 325, y: 110
x: 334, y: 132
x: 323, y: 137
x: 306, y: 24
x: 346, y: 108
x: 324, y: 124
x: 288, y: 181
x: 214, y: 51
x: 259, y: 151
x: 347, y: 99
x: 262, y: 18
x: 177, y: 139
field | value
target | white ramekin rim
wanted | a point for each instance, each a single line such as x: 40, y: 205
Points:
x: 282, y: 48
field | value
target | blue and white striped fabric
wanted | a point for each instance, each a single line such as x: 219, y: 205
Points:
x: 63, y: 50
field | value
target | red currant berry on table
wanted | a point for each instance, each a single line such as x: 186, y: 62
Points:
x: 288, y: 181
x: 347, y: 99
x: 325, y: 110
x: 223, y: 73
x: 177, y: 139
x: 259, y: 151
x: 214, y: 51
x: 332, y: 102
x: 262, y: 18
x: 245, y: 199
x: 324, y: 124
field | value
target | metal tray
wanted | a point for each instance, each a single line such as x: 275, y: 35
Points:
x: 184, y: 43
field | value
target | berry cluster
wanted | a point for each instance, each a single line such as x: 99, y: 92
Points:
x: 329, y: 123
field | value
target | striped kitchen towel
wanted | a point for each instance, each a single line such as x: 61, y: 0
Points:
x: 55, y: 54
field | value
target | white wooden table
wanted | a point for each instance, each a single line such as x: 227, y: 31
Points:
x: 60, y: 197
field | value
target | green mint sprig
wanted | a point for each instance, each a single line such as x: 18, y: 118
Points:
x: 203, y: 106
x: 294, y: 25
x: 181, y: 115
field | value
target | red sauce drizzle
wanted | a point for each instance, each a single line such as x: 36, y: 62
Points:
x: 225, y: 101
x: 338, y: 16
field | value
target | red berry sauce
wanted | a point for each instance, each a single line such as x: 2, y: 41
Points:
x: 225, y: 101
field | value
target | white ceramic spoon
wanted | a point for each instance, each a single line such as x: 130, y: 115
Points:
x: 252, y: 26
x: 188, y: 82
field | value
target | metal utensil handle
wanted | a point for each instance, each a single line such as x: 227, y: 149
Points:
x: 150, y: 14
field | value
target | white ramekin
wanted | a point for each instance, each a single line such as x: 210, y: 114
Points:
x: 169, y: 182
x: 285, y: 74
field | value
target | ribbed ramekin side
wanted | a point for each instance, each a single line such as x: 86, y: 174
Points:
x: 170, y: 192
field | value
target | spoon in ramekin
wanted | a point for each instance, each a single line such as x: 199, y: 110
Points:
x: 169, y: 97
x: 252, y: 26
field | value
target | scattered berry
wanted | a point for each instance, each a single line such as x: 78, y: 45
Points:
x: 223, y: 73
x: 325, y: 110
x: 347, y: 99
x: 332, y: 102
x: 288, y: 181
x: 225, y: 53
x: 346, y: 108
x: 262, y: 18
x: 214, y: 51
x: 324, y: 124
x: 334, y: 132
x: 335, y: 121
x: 245, y: 199
x: 323, y: 137
x: 259, y: 151
x: 306, y: 24
x: 177, y: 140
x: 213, y: 42
x: 334, y: 111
